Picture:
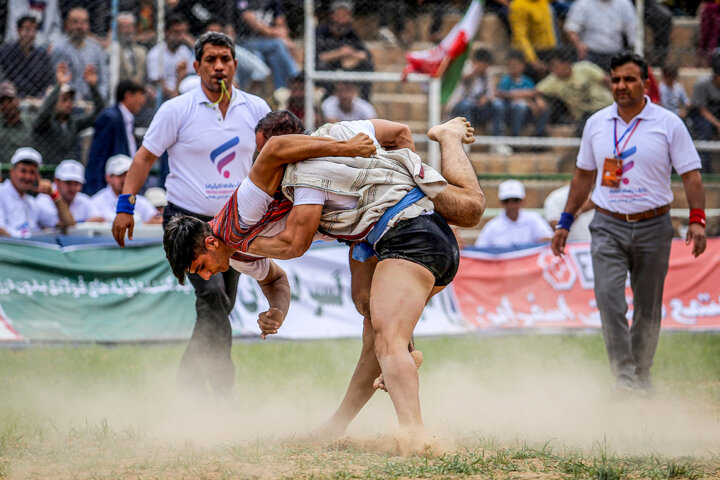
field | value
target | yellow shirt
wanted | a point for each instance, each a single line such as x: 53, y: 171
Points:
x: 583, y: 92
x: 532, y: 27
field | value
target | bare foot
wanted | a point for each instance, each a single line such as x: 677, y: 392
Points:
x: 329, y: 430
x: 379, y: 382
x: 458, y: 128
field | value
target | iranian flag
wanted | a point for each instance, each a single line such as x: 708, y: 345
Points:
x: 446, y: 60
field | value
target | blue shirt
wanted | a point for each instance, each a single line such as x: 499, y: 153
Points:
x: 523, y: 83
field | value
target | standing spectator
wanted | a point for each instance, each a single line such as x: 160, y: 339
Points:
x: 69, y: 179
x: 56, y: 128
x: 672, y: 93
x: 78, y: 51
x: 262, y: 28
x: 20, y: 215
x: 659, y: 19
x: 339, y: 47
x: 709, y: 30
x: 210, y: 139
x: 46, y: 14
x: 514, y: 227
x: 345, y: 105
x: 632, y: 230
x: 176, y: 56
x: 133, y: 56
x: 114, y: 132
x: 15, y: 127
x: 704, y: 116
x: 475, y: 99
x: 105, y: 201
x: 581, y: 87
x: 533, y: 33
x: 598, y: 29
x: 24, y: 64
x: 520, y: 101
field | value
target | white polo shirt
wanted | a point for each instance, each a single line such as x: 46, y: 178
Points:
x: 208, y: 155
x: 105, y: 204
x: 170, y: 61
x: 81, y: 208
x: 501, y: 232
x: 661, y: 141
x: 21, y: 215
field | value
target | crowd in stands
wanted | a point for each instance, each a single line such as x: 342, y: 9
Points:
x: 56, y: 54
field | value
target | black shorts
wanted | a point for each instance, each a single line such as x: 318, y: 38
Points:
x: 426, y: 240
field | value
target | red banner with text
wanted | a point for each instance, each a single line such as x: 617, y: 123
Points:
x: 534, y: 289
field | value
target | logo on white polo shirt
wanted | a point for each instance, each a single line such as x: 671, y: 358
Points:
x: 221, y: 163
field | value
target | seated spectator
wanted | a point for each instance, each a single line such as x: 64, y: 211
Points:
x: 598, y: 29
x: 262, y: 29
x: 69, y: 179
x: 199, y: 12
x: 47, y: 16
x: 555, y: 205
x: 345, y: 105
x: 177, y: 58
x: 339, y: 47
x: 533, y: 33
x: 15, y: 127
x: 704, y: 115
x: 78, y: 51
x: 582, y: 87
x: 250, y: 68
x: 709, y: 30
x: 24, y: 64
x: 475, y: 99
x: 157, y: 198
x: 56, y: 128
x: 293, y: 99
x: 520, y: 101
x: 114, y: 132
x: 672, y: 93
x: 20, y: 215
x: 658, y: 19
x: 133, y: 56
x: 514, y: 227
x: 105, y: 201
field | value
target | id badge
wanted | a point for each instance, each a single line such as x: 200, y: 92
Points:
x: 612, y: 172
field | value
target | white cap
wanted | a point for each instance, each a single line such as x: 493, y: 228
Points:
x: 70, y: 171
x: 511, y: 189
x: 26, y: 154
x: 188, y: 83
x: 118, y: 164
x: 156, y: 196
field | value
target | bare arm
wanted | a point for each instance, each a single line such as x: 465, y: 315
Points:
x: 280, y: 150
x: 580, y: 187
x: 302, y: 223
x: 695, y: 195
x: 276, y: 289
x: 707, y: 115
x: 580, y: 47
x: 393, y: 135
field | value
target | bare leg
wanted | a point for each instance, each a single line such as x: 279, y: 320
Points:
x: 399, y: 291
x: 462, y: 203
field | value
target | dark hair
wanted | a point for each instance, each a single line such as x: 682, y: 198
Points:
x: 630, y: 57
x: 670, y: 69
x: 516, y: 55
x: 184, y: 239
x: 213, y: 38
x: 212, y: 20
x: 174, y: 19
x: 482, y: 55
x: 281, y: 122
x: 25, y: 18
x: 300, y: 77
x: 126, y: 86
x: 563, y: 54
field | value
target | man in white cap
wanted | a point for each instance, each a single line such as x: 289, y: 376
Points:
x: 105, y: 201
x: 20, y: 215
x: 69, y: 179
x: 514, y: 227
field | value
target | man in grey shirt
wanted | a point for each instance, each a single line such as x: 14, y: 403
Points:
x: 704, y: 115
x: 78, y: 51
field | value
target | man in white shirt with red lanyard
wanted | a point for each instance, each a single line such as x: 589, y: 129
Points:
x: 209, y: 134
x: 633, y: 144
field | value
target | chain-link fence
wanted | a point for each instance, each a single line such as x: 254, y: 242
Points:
x: 533, y: 75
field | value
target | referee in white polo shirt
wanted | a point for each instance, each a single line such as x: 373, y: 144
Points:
x: 633, y: 145
x: 209, y: 134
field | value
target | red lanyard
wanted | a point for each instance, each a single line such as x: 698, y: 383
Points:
x: 631, y: 128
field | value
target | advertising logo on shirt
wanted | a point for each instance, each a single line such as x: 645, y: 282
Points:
x: 221, y: 163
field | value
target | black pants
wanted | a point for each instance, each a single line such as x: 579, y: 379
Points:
x: 207, y: 359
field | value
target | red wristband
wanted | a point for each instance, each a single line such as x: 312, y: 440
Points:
x: 55, y: 195
x: 697, y: 215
